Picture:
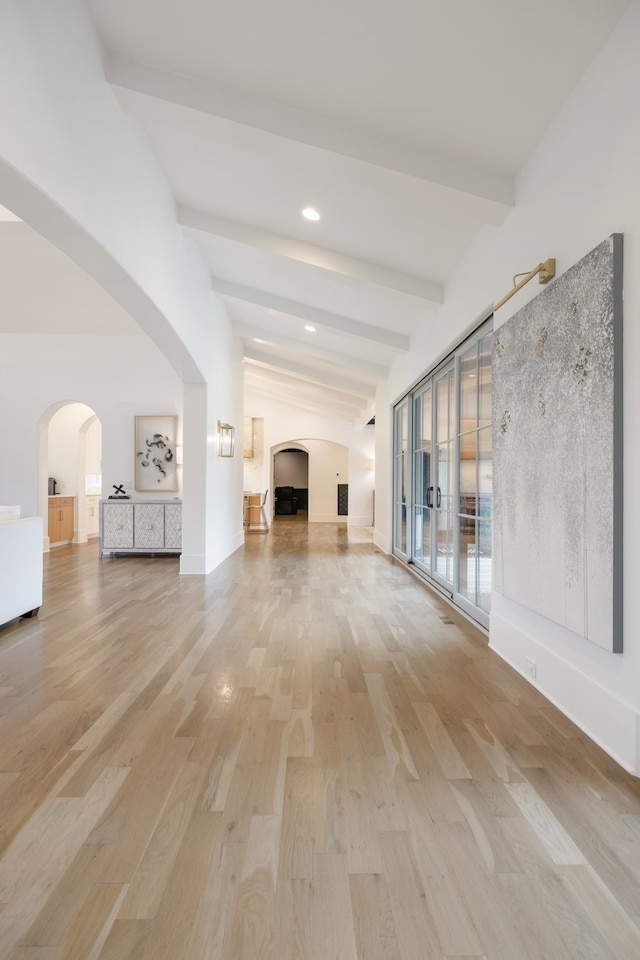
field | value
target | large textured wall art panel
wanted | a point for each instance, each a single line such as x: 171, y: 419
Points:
x: 557, y: 411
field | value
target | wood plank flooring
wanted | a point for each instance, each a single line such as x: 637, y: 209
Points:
x: 294, y: 758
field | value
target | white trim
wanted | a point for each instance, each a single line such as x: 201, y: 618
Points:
x: 607, y: 719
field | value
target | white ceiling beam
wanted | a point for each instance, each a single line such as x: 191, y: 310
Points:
x: 316, y: 316
x: 487, y: 195
x: 366, y: 370
x: 320, y: 404
x: 281, y: 381
x: 309, y: 378
x: 307, y: 373
x: 427, y: 291
x: 318, y: 409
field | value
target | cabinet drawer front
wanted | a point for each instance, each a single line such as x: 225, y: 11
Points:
x: 173, y: 525
x: 148, y: 525
x: 117, y: 525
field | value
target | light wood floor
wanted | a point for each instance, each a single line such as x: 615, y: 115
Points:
x: 299, y: 757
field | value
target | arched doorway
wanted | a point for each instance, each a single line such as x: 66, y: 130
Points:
x: 291, y: 483
x: 70, y: 472
x: 327, y: 473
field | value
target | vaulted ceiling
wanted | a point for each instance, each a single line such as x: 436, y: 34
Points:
x: 403, y: 124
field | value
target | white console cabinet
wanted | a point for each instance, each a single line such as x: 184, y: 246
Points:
x: 140, y: 526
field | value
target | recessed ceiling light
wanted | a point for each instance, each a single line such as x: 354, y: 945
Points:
x: 310, y: 213
x: 309, y: 328
x: 260, y: 340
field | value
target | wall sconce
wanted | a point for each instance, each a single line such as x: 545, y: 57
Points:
x: 226, y: 439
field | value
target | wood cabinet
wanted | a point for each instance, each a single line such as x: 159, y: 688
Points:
x: 140, y: 526
x: 61, y: 519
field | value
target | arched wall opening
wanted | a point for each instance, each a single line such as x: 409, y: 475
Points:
x: 70, y: 454
x: 328, y: 470
x: 33, y: 206
x: 99, y: 195
x: 291, y: 483
x: 126, y: 344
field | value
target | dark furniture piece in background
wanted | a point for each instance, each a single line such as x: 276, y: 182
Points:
x: 302, y: 496
x: 286, y: 502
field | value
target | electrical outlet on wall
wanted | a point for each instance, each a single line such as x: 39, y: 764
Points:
x: 531, y: 668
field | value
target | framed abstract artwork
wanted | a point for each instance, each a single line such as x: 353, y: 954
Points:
x: 155, y: 454
x: 557, y: 450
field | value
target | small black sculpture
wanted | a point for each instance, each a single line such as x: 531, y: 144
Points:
x: 119, y: 492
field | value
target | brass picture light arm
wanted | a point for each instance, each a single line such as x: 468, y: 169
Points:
x: 546, y: 271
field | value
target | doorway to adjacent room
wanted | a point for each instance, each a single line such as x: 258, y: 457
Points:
x: 70, y: 469
x: 291, y: 484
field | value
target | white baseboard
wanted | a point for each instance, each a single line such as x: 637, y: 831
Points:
x: 193, y: 564
x: 199, y: 564
x: 382, y: 543
x: 597, y: 710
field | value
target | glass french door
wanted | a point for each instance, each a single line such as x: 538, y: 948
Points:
x: 442, y: 496
x: 422, y: 483
x: 475, y: 475
x: 400, y: 478
x: 433, y: 475
x: 442, y: 476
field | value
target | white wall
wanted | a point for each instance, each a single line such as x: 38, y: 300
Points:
x: 83, y: 174
x: 291, y: 469
x: 93, y: 448
x: 581, y: 185
x: 285, y: 425
x: 328, y: 466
